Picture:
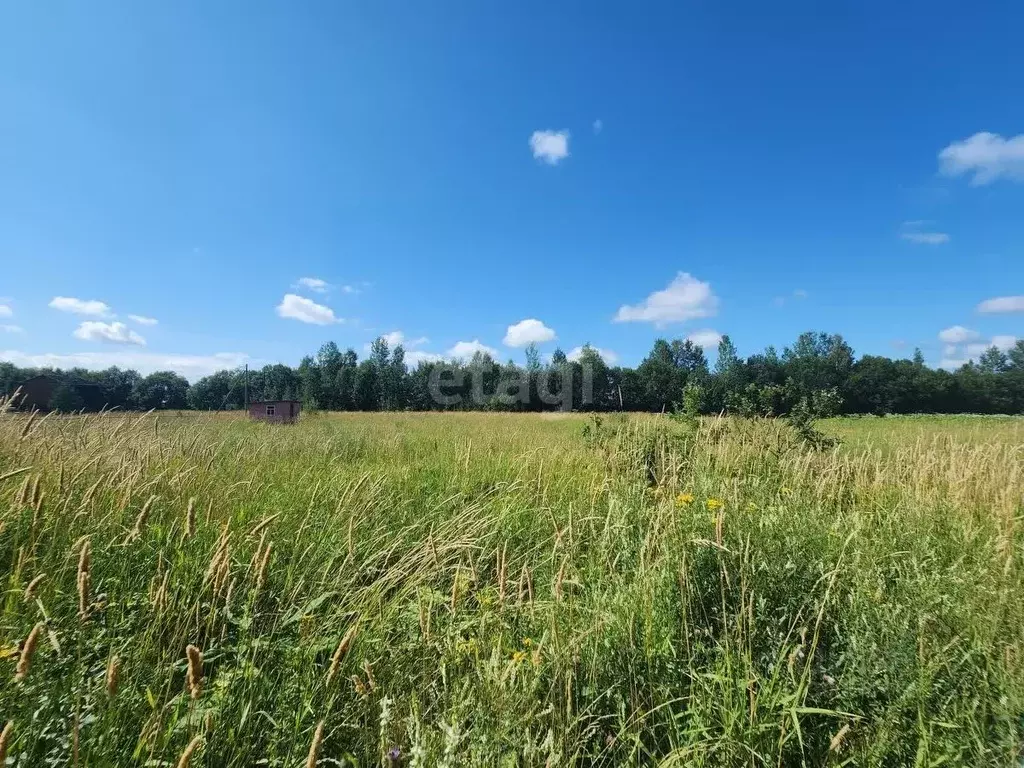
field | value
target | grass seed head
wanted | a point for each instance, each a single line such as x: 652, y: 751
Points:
x: 25, y: 660
x: 30, y: 590
x: 186, y: 756
x: 314, y: 747
x: 5, y: 741
x: 195, y: 671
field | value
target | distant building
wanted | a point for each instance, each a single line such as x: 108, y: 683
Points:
x: 38, y: 392
x: 275, y: 411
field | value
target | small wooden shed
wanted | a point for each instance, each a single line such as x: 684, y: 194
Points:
x: 275, y: 411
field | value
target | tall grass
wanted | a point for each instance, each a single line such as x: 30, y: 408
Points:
x: 494, y: 589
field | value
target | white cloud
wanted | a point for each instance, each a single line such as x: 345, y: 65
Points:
x: 987, y: 156
x: 1002, y: 343
x: 314, y: 284
x: 12, y: 329
x: 957, y: 334
x: 6, y: 311
x: 416, y: 356
x: 550, y: 146
x: 1002, y: 304
x: 529, y: 331
x: 606, y: 354
x: 349, y: 289
x: 80, y: 306
x: 925, y: 238
x: 116, y: 333
x: 466, y: 349
x: 191, y: 367
x: 598, y: 126
x: 705, y: 338
x: 142, y: 319
x: 685, y: 298
x: 398, y: 337
x: 952, y: 363
x: 306, y: 311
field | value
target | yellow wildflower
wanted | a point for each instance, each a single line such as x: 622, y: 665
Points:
x: 714, y: 504
x: 520, y: 656
x: 684, y: 499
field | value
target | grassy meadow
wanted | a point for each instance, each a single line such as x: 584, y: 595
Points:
x: 509, y: 590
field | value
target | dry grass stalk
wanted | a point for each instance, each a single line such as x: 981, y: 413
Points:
x: 195, y: 671
x: 25, y: 660
x: 340, y: 651
x: 261, y: 572
x: 186, y: 756
x: 314, y: 748
x: 113, y: 675
x: 371, y: 681
x: 190, y: 518
x: 5, y: 740
x: 84, y: 579
x: 30, y: 590
x: 837, y: 740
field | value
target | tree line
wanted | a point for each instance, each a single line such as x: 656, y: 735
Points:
x: 818, y: 370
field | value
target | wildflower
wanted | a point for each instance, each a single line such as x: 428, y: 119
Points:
x: 394, y: 755
x: 751, y: 506
x: 714, y: 503
x: 684, y: 499
x: 520, y: 656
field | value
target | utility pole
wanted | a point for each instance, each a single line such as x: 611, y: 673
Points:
x: 245, y: 384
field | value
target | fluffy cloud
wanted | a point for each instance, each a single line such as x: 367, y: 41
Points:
x: 986, y: 156
x: 6, y: 311
x: 685, y: 298
x: 80, y: 306
x: 550, y: 146
x: 305, y: 310
x: 142, y: 319
x: 466, y: 349
x: 314, y: 284
x: 529, y: 331
x: 1002, y: 304
x: 598, y: 126
x: 705, y: 337
x: 11, y: 328
x: 957, y: 334
x: 606, y: 354
x: 116, y: 333
x: 192, y: 367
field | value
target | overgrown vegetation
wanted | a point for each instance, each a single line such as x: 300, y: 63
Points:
x: 496, y: 589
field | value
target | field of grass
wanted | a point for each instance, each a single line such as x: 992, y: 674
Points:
x: 503, y: 590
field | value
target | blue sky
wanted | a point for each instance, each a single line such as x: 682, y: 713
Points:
x: 615, y: 172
